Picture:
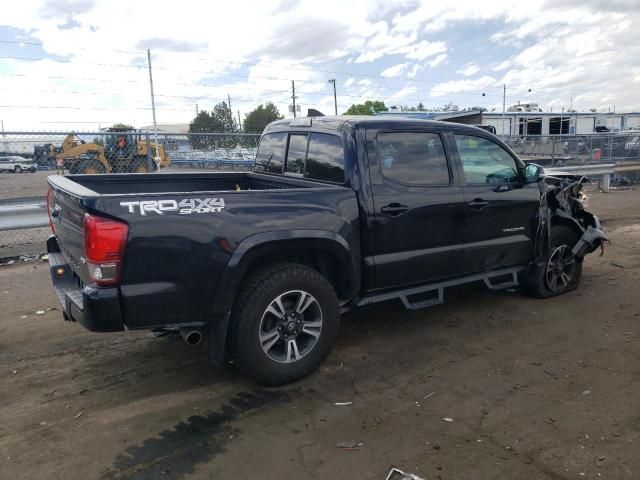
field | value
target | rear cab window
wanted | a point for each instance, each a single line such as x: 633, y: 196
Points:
x: 315, y: 156
x: 270, y: 156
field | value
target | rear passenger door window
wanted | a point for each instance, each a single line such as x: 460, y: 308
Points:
x: 413, y: 158
x: 325, y: 160
x: 296, y: 154
x: 270, y: 156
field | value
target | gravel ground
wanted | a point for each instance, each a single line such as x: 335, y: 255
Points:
x: 535, y: 389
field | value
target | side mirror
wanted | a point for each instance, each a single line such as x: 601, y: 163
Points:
x: 532, y: 173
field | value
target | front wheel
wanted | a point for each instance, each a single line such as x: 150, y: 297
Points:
x: 17, y: 169
x: 561, y: 270
x: 284, y: 323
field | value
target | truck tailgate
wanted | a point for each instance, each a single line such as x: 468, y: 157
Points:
x: 67, y: 216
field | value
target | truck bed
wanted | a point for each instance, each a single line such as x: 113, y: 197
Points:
x: 176, y: 183
x: 183, y: 230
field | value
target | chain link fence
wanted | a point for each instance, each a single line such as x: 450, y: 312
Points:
x: 40, y: 154
x: 558, y: 150
x: 28, y: 158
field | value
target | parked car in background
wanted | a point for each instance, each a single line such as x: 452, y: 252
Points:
x: 17, y: 164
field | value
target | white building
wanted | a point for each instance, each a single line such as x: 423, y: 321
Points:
x: 567, y: 123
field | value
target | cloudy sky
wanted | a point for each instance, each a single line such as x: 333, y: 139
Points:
x: 82, y: 63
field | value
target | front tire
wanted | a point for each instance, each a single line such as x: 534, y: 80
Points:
x: 17, y: 169
x: 284, y: 323
x: 561, y: 271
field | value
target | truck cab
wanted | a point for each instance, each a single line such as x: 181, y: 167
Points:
x: 338, y: 212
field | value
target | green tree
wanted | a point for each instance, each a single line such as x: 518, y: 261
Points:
x: 420, y: 107
x: 367, y: 108
x: 220, y: 120
x: 256, y: 120
x: 122, y: 126
x: 475, y: 109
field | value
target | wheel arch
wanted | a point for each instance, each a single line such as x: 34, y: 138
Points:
x: 327, y: 252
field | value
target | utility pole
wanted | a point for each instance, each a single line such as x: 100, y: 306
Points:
x: 335, y: 97
x: 230, y: 111
x: 504, y: 105
x: 293, y: 96
x: 197, y: 113
x: 239, y: 123
x: 153, y: 108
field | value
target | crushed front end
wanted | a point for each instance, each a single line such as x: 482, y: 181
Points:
x: 562, y: 202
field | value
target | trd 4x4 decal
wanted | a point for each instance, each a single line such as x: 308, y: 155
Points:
x: 186, y: 206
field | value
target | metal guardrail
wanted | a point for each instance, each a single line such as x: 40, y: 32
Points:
x: 602, y: 170
x: 21, y: 213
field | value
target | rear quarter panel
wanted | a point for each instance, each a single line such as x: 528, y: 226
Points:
x: 174, y: 263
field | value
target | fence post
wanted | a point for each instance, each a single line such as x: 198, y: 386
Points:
x: 605, y: 183
x: 149, y: 160
x: 610, y: 146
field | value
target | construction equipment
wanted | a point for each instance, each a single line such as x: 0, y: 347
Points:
x: 124, y: 151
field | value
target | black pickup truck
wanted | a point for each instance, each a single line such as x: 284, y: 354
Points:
x: 338, y: 212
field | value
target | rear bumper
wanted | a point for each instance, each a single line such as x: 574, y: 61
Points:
x: 97, y: 309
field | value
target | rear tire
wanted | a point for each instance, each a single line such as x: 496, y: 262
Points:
x: 284, y: 323
x: 17, y: 169
x: 139, y: 165
x: 560, y: 272
x: 89, y: 167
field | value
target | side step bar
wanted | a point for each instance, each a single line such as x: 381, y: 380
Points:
x: 438, y: 289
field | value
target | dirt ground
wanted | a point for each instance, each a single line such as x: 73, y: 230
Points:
x: 536, y: 389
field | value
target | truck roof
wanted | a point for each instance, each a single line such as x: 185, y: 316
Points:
x: 341, y: 122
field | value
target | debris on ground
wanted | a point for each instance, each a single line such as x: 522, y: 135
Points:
x: 78, y: 415
x: 614, y: 264
x: 397, y: 474
x: 40, y: 312
x: 352, y: 445
x: 14, y: 372
x: 447, y: 419
x: 586, y: 392
x: 427, y: 396
x: 343, y: 404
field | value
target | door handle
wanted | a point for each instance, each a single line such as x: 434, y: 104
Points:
x: 394, y: 209
x: 478, y: 204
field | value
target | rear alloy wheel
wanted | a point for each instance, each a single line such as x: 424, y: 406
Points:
x: 17, y: 169
x: 284, y: 323
x: 290, y: 326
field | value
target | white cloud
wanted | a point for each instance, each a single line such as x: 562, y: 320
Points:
x: 404, y: 92
x: 414, y: 71
x: 458, y: 86
x: 469, y: 69
x: 394, y: 71
x: 423, y: 50
x: 559, y: 50
x: 439, y: 60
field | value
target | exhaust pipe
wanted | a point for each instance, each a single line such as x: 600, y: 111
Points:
x: 191, y: 335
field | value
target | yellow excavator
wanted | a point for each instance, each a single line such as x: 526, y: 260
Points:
x: 124, y: 151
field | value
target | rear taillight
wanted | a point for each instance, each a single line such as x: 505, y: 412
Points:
x: 49, y: 211
x: 104, y: 242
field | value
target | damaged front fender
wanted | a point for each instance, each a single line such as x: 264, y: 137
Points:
x: 561, y: 203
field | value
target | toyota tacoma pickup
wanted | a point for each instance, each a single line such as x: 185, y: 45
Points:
x: 338, y: 212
